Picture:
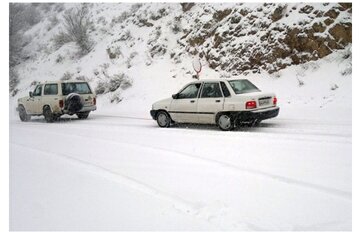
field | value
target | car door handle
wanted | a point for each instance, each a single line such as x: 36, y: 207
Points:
x: 217, y: 101
x: 192, y: 101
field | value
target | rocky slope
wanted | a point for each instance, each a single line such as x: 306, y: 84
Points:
x: 232, y: 39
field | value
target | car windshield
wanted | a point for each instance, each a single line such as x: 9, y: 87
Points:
x: 80, y: 88
x: 243, y: 86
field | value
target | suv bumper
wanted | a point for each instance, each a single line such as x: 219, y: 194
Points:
x: 262, y: 114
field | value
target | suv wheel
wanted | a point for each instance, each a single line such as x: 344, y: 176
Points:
x: 83, y: 115
x: 49, y: 117
x: 24, y: 117
x: 225, y: 122
x: 163, y: 119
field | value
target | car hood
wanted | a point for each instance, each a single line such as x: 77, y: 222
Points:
x: 162, y: 104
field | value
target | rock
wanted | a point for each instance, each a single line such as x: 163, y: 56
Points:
x: 346, y: 5
x: 187, y: 6
x: 323, y: 50
x: 342, y: 33
x: 332, y: 13
x: 278, y: 13
x: 318, y: 27
x: 328, y: 21
x: 244, y: 12
x: 220, y: 15
x: 306, y: 9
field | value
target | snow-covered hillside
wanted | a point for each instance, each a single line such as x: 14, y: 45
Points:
x: 131, y: 42
x: 119, y: 171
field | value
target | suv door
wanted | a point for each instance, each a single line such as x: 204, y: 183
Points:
x: 50, y: 96
x: 183, y: 107
x: 210, y: 102
x: 34, y: 103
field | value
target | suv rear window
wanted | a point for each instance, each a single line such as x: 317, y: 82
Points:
x: 243, y: 86
x: 80, y: 88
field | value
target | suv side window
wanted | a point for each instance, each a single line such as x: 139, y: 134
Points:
x: 37, y: 91
x: 191, y: 91
x: 225, y: 89
x: 211, y: 90
x: 51, y: 89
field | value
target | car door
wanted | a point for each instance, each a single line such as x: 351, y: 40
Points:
x: 34, y: 102
x: 210, y: 102
x: 183, y: 106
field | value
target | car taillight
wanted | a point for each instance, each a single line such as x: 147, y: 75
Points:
x: 94, y: 100
x: 250, y: 105
x: 274, y: 101
x: 61, y: 103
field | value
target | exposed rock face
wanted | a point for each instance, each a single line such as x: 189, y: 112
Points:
x: 241, y: 39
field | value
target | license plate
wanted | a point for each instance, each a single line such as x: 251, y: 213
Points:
x: 264, y: 102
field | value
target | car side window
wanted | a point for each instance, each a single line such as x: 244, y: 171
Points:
x: 211, y: 90
x: 37, y: 91
x: 191, y: 91
x: 225, y: 89
x: 51, y: 89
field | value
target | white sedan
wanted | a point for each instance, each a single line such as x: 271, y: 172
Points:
x: 224, y: 102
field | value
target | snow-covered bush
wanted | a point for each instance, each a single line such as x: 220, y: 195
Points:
x: 60, y: 39
x: 113, y: 83
x: 67, y: 76
x: 59, y: 59
x: 77, y: 25
x: 13, y: 79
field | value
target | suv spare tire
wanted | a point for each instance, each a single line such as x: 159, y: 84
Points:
x: 74, y: 103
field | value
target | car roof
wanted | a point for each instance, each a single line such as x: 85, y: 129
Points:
x: 218, y: 79
x: 67, y: 81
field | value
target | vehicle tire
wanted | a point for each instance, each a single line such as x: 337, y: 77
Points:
x: 49, y: 116
x: 225, y: 122
x: 163, y: 119
x: 73, y: 103
x: 24, y: 117
x: 83, y: 115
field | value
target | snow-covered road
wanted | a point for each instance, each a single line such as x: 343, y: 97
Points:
x: 124, y: 172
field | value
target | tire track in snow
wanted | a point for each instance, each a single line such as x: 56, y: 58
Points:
x: 177, y: 202
x: 220, y: 164
x: 214, y: 215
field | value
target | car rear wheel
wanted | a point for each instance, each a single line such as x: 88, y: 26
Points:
x: 225, y: 122
x: 83, y: 115
x: 49, y: 116
x: 163, y: 119
x: 24, y: 117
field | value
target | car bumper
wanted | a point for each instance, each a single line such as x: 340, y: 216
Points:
x: 84, y: 109
x: 262, y: 114
x: 88, y: 108
x: 153, y: 114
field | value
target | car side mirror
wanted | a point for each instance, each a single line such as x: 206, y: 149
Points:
x: 175, y: 96
x: 31, y: 94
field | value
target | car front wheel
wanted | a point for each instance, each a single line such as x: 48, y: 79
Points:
x: 24, y: 117
x: 225, y: 122
x: 163, y: 119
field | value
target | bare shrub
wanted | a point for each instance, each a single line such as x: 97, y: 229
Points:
x: 13, y: 79
x: 60, y: 39
x: 113, y: 83
x: 67, y: 76
x: 77, y: 25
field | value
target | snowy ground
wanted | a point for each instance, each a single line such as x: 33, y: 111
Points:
x: 114, y: 172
